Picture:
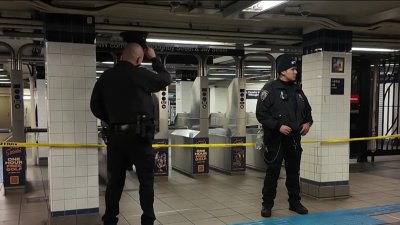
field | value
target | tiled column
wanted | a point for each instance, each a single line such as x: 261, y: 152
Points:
x: 73, y: 172
x: 325, y: 167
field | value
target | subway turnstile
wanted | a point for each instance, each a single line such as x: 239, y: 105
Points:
x: 193, y: 161
x: 231, y: 160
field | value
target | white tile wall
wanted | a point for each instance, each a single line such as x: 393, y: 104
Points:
x: 331, y: 114
x: 71, y: 75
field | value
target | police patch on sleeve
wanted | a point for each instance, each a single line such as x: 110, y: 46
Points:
x: 263, y: 95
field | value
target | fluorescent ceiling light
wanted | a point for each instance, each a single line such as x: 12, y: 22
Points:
x: 4, y: 79
x: 262, y: 6
x: 155, y: 40
x: 99, y: 71
x: 265, y: 67
x: 264, y: 80
x: 5, y: 82
x: 3, y: 75
x: 215, y: 78
x: 1, y: 69
x: 222, y: 74
x: 146, y: 64
x: 373, y: 49
x: 108, y: 62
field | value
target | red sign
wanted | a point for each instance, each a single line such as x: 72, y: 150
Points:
x: 354, y: 99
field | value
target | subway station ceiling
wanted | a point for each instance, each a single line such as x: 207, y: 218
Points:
x: 374, y: 23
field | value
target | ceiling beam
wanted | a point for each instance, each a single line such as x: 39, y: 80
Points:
x: 391, y: 14
x: 236, y: 8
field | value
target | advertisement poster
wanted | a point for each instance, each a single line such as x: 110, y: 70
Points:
x: 14, y: 166
x: 161, y: 158
x: 200, y: 156
x: 238, y: 154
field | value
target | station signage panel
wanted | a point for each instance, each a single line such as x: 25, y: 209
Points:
x: 337, y: 86
x: 252, y: 94
x: 105, y: 45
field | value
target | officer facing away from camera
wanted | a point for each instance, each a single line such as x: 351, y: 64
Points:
x: 285, y: 115
x: 122, y: 98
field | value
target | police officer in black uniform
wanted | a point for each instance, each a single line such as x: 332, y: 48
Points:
x: 285, y: 115
x: 122, y: 98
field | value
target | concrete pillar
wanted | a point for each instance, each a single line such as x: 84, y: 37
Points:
x: 325, y: 167
x: 70, y: 55
x: 326, y: 79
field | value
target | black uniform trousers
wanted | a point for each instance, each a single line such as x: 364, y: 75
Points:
x: 125, y: 149
x: 286, y: 148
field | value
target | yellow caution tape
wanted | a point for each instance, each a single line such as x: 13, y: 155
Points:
x: 343, y: 140
x: 249, y: 144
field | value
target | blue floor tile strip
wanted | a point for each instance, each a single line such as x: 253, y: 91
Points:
x: 342, y: 217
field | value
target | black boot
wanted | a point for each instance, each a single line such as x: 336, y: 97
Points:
x: 298, y: 208
x: 265, y: 212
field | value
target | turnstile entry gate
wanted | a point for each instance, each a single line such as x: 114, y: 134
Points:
x: 194, y: 161
x: 14, y: 158
x: 231, y: 160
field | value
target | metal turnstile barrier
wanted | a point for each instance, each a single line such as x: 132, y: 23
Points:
x: 190, y: 161
x: 230, y: 160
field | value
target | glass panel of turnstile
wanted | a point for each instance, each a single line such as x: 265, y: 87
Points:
x: 227, y: 115
x: 192, y: 110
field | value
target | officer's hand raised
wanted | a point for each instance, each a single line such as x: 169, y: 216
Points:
x: 285, y: 130
x: 149, y: 53
x: 305, y: 127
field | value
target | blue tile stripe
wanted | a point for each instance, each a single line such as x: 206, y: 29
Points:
x: 342, y: 217
x: 74, y: 212
x: 331, y: 183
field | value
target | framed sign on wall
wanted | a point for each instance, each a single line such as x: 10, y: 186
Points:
x: 337, y: 65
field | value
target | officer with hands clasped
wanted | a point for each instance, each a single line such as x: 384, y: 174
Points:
x: 285, y: 115
x: 122, y: 98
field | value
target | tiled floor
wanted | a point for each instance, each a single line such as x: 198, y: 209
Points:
x: 216, y: 199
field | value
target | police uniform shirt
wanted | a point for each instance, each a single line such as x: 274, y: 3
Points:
x: 282, y: 103
x: 124, y: 91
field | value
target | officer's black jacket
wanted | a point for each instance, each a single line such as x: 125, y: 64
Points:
x: 282, y: 103
x: 124, y: 92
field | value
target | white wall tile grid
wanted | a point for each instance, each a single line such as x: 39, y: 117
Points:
x: 70, y: 73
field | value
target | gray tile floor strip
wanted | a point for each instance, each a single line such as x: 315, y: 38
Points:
x: 217, y: 199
